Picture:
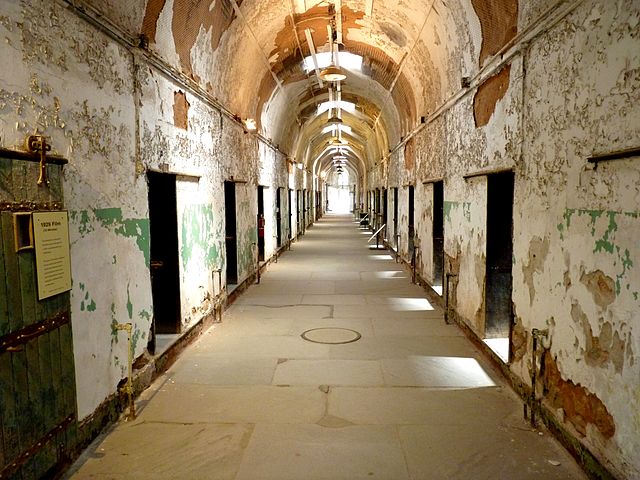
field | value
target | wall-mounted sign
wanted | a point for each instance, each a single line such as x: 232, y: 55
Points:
x: 53, y: 263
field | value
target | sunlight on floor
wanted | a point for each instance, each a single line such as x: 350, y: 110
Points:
x: 437, y: 289
x: 390, y: 274
x: 444, y: 372
x: 409, y: 304
x: 381, y: 257
x: 500, y: 346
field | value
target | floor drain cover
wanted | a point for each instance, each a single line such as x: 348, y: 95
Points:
x: 331, y: 335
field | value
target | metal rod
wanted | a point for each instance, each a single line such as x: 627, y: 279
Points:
x: 482, y: 173
x: 617, y: 155
x: 31, y: 156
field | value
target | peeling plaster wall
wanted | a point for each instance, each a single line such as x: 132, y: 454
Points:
x: 575, y: 270
x: 114, y: 118
x: 573, y: 92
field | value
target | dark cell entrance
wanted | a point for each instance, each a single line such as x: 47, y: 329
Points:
x: 411, y: 229
x: 279, y: 217
x: 385, y: 210
x: 395, y: 216
x: 304, y: 210
x: 165, y: 274
x: 261, y: 223
x: 231, y: 243
x: 298, y: 212
x: 291, y: 210
x: 499, y: 254
x: 438, y: 233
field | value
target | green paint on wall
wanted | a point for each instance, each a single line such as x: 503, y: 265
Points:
x: 447, y: 207
x: 114, y: 325
x: 604, y: 242
x: 129, y: 304
x: 199, y: 232
x: 137, y: 228
x: 92, y: 306
x: 135, y: 337
x: 144, y: 314
x: 114, y: 261
x: 112, y: 219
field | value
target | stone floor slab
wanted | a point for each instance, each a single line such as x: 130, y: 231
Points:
x: 329, y: 372
x: 311, y: 452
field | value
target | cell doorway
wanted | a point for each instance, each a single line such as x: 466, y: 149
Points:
x: 438, y: 236
x: 231, y: 241
x: 165, y: 273
x: 499, y: 280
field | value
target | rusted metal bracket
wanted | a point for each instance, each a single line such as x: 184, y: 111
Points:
x: 38, y: 144
x: 13, y: 341
x: 12, y: 467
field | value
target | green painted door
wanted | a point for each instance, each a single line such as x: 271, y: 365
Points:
x: 38, y: 418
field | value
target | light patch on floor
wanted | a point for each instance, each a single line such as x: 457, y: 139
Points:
x: 500, y: 347
x: 409, y: 304
x: 436, y: 372
x: 389, y: 274
x: 380, y: 257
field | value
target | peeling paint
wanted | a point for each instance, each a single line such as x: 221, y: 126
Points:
x: 580, y: 406
x: 113, y: 220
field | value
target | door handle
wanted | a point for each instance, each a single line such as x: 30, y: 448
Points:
x: 157, y: 264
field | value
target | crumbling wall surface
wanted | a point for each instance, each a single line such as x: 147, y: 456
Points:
x: 575, y: 269
x: 72, y: 84
x: 114, y: 117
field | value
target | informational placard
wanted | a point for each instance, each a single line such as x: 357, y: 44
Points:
x: 53, y: 262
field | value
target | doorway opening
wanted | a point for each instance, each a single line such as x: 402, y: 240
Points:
x: 410, y: 215
x: 395, y: 218
x: 298, y: 212
x: 305, y: 213
x: 165, y: 272
x: 291, y: 212
x: 438, y: 236
x: 231, y: 243
x: 385, y: 212
x: 498, y: 310
x: 260, y: 223
x: 279, y: 217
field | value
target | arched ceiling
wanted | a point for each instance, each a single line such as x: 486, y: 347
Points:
x: 249, y: 54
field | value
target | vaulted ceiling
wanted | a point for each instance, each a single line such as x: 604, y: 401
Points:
x: 403, y: 59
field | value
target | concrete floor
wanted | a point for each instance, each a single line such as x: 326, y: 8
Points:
x: 251, y: 400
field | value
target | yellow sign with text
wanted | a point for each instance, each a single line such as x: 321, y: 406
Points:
x: 53, y: 262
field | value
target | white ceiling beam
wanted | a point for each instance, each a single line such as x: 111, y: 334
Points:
x: 368, y: 9
x: 312, y: 49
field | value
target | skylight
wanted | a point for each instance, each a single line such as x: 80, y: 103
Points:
x: 348, y: 61
x: 345, y: 106
x: 333, y: 128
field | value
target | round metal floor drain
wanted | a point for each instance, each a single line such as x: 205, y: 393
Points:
x: 331, y: 335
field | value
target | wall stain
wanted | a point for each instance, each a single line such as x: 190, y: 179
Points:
x: 181, y: 110
x: 538, y: 251
x: 581, y: 407
x: 601, y: 286
x: 489, y: 94
x: 601, y: 350
x: 499, y: 24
